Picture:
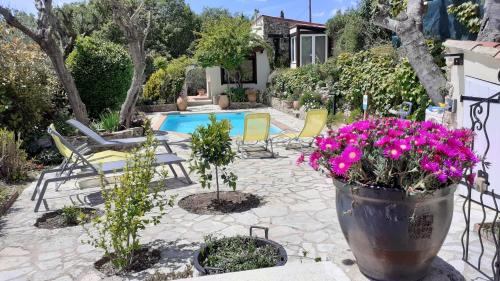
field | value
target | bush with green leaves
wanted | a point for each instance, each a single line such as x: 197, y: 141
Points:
x: 467, y: 14
x: 71, y: 215
x: 13, y: 164
x: 27, y: 85
x: 196, y: 79
x: 310, y: 100
x: 237, y: 94
x: 129, y: 206
x: 297, y: 79
x: 103, y: 73
x: 211, y: 148
x: 108, y: 121
x: 166, y: 83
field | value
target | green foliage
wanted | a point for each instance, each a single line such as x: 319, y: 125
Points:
x: 290, y: 80
x: 227, y: 42
x: 467, y: 14
x: 211, y: 147
x: 102, y: 72
x: 173, y: 27
x: 437, y: 51
x: 237, y: 94
x: 196, y: 79
x: 310, y: 100
x: 71, y: 215
x: 167, y: 83
x: 128, y: 207
x: 387, y: 81
x: 355, y: 115
x: 238, y: 253
x: 27, y: 85
x: 13, y: 163
x: 109, y: 121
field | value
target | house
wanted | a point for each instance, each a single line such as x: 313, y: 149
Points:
x: 295, y: 43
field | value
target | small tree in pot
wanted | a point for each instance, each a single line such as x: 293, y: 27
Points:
x: 211, y: 147
x: 395, y: 181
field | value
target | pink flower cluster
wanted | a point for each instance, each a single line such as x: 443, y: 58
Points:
x: 430, y: 148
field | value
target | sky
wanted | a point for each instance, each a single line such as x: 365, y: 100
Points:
x: 322, y: 10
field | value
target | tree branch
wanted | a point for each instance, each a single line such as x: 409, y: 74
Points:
x: 14, y: 22
x: 383, y: 19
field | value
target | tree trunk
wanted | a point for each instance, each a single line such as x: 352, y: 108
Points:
x: 44, y: 38
x: 490, y: 24
x: 128, y: 107
x: 407, y: 27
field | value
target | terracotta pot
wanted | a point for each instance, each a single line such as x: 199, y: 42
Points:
x: 201, y: 92
x: 223, y: 101
x: 251, y: 95
x: 182, y: 103
x: 296, y: 105
x: 288, y: 104
x: 393, y: 236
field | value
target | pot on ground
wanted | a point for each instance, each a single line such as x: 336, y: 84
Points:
x: 393, y: 236
x: 223, y: 101
x: 296, y: 105
x: 251, y: 95
x: 182, y: 103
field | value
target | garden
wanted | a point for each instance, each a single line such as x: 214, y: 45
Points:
x: 324, y: 175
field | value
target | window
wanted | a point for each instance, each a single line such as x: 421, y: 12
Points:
x: 248, y: 72
x: 292, y: 49
x: 313, y: 49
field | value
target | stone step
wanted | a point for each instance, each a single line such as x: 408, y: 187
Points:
x: 196, y: 102
x: 295, y: 271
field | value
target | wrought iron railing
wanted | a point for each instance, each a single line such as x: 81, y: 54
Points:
x: 479, y: 115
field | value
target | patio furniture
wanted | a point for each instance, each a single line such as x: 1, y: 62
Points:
x: 255, y: 131
x: 314, y: 124
x: 102, y: 142
x: 96, y: 164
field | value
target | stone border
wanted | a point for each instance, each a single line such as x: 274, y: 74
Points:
x: 157, y: 108
x: 7, y: 204
x: 244, y: 105
x: 279, y: 104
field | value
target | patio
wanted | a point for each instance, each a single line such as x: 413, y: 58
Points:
x: 298, y: 207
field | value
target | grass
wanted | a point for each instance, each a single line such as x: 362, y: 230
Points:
x: 238, y: 253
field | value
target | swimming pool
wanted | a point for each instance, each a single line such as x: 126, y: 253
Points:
x: 187, y: 123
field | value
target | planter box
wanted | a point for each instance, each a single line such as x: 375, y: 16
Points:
x: 4, y: 206
x: 245, y: 105
x: 157, y: 108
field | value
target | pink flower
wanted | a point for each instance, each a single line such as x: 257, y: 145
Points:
x: 361, y: 125
x: 329, y: 144
x: 419, y: 141
x: 441, y: 176
x: 352, y: 154
x: 470, y: 178
x: 339, y: 165
x: 403, y: 144
x: 313, y: 160
x: 300, y: 159
x: 383, y: 141
x: 393, y: 152
x: 428, y: 165
x: 394, y: 133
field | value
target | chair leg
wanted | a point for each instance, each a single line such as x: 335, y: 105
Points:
x: 186, y: 175
x: 272, y: 151
x: 173, y: 170
x: 40, y: 179
x: 42, y: 192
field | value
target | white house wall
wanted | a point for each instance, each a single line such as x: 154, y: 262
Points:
x: 214, y: 82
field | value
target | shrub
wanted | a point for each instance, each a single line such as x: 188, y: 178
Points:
x: 128, y: 207
x: 310, y: 100
x: 297, y: 79
x: 166, y: 83
x: 237, y: 94
x: 196, y: 79
x: 108, y: 121
x: 27, y: 84
x: 13, y: 163
x: 103, y: 73
x: 71, y: 215
x: 211, y: 146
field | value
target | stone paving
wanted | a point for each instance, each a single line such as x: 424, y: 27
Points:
x: 298, y: 209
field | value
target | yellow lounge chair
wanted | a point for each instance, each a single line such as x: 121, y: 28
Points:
x: 314, y: 124
x: 256, y: 130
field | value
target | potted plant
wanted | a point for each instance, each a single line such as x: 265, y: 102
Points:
x: 289, y: 101
x: 251, y: 94
x: 182, y: 102
x: 296, y: 103
x: 394, y: 182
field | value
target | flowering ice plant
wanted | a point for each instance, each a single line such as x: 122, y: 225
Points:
x: 395, y: 153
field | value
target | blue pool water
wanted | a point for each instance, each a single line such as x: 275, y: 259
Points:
x: 187, y: 123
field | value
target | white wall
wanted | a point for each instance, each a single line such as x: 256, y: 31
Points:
x: 215, y: 86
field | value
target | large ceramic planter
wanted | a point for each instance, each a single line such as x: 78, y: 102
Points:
x: 251, y: 95
x: 223, y: 101
x: 182, y: 103
x: 296, y: 105
x: 393, y: 236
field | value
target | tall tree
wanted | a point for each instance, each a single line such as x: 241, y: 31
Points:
x: 407, y: 24
x: 44, y: 35
x: 134, y: 21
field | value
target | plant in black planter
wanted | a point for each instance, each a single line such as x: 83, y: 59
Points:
x: 128, y: 207
x: 211, y: 147
x: 395, y: 181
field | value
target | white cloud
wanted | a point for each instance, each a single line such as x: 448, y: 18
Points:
x: 319, y: 14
